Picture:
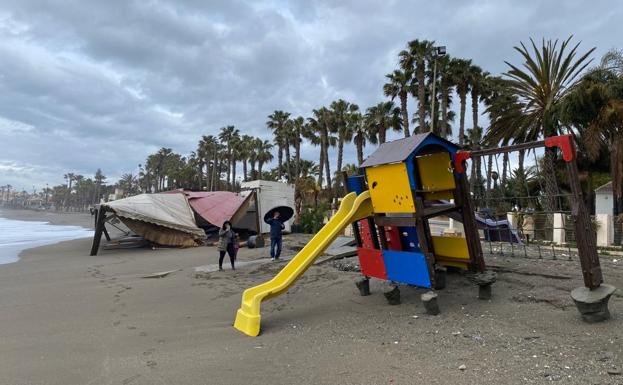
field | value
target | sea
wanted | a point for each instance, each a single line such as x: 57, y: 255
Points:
x: 16, y: 236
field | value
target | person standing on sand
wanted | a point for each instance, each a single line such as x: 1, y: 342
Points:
x: 226, y: 238
x: 276, y: 226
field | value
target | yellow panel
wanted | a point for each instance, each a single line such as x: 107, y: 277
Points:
x: 436, y: 172
x: 439, y: 195
x: 390, y: 189
x: 455, y: 247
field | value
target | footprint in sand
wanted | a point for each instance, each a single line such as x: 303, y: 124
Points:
x: 130, y: 380
x: 149, y: 352
x: 151, y: 364
x: 142, y: 334
x: 116, y: 323
x: 132, y: 327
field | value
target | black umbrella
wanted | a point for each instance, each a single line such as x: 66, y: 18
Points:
x: 285, y: 213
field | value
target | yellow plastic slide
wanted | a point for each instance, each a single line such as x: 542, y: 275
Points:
x: 354, y: 207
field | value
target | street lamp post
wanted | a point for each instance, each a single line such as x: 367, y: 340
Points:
x: 438, y: 51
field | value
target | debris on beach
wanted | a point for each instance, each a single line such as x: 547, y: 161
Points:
x: 161, y: 274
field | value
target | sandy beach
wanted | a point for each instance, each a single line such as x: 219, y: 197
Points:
x: 69, y: 318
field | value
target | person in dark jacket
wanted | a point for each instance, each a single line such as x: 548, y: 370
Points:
x: 276, y: 226
x: 226, y: 238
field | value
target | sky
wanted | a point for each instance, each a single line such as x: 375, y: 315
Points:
x: 102, y: 84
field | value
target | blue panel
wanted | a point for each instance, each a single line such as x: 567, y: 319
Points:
x: 355, y: 183
x: 405, y: 267
x: 411, y: 171
x: 408, y: 237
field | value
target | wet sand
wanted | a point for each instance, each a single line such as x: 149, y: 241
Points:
x: 69, y: 318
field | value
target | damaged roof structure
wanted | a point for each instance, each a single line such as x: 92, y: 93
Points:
x: 175, y: 218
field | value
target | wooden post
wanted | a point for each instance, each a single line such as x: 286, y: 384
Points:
x: 426, y: 242
x: 477, y: 261
x: 99, y: 229
x: 584, y: 233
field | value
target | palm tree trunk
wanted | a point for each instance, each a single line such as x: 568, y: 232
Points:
x: 475, y: 107
x: 253, y: 176
x: 616, y: 165
x: 280, y: 161
x: 297, y: 157
x: 505, y: 164
x: 321, y: 162
x: 359, y: 144
x: 326, y: 161
x: 244, y: 169
x: 489, y: 171
x: 288, y: 170
x: 462, y: 97
x: 551, y: 186
x: 444, y: 112
x: 228, y: 164
x: 405, y: 114
x: 340, y: 153
x: 259, y: 169
x: 233, y: 174
x: 421, y: 91
x: 382, y: 133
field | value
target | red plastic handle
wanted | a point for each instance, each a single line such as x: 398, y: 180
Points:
x: 459, y: 158
x: 564, y: 143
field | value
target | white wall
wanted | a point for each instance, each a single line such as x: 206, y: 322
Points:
x: 603, y: 203
x: 270, y: 194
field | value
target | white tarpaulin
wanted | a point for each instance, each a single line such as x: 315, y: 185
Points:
x: 167, y: 210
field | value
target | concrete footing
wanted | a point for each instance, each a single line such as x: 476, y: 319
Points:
x: 440, y: 278
x: 392, y: 295
x: 429, y: 299
x: 364, y: 287
x: 484, y: 281
x: 593, y: 304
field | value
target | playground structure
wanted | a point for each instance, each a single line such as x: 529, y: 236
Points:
x: 403, y: 185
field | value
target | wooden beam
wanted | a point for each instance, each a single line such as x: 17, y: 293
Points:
x: 99, y: 229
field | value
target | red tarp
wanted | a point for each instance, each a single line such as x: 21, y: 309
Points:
x: 215, y: 207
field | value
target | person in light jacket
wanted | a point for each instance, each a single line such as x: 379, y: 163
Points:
x: 226, y: 239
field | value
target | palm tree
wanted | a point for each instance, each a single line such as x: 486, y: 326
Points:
x: 362, y: 134
x: 277, y: 123
x: 253, y: 156
x: 321, y: 127
x: 399, y: 85
x: 414, y: 59
x: 382, y: 117
x: 244, y: 150
x: 207, y: 149
x: 236, y: 148
x: 443, y: 127
x: 264, y: 155
x: 341, y: 111
x: 296, y: 129
x: 228, y: 136
x: 472, y: 141
x: 548, y: 75
x: 595, y: 108
x: 462, y: 78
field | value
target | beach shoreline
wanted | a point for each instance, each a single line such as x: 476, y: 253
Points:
x: 70, y: 318
x: 83, y: 219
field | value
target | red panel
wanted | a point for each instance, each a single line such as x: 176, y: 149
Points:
x: 392, y: 235
x: 366, y: 236
x: 371, y: 261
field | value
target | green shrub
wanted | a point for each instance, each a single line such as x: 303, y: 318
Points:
x: 312, y: 218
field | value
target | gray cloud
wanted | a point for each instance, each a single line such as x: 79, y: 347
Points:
x: 88, y: 84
